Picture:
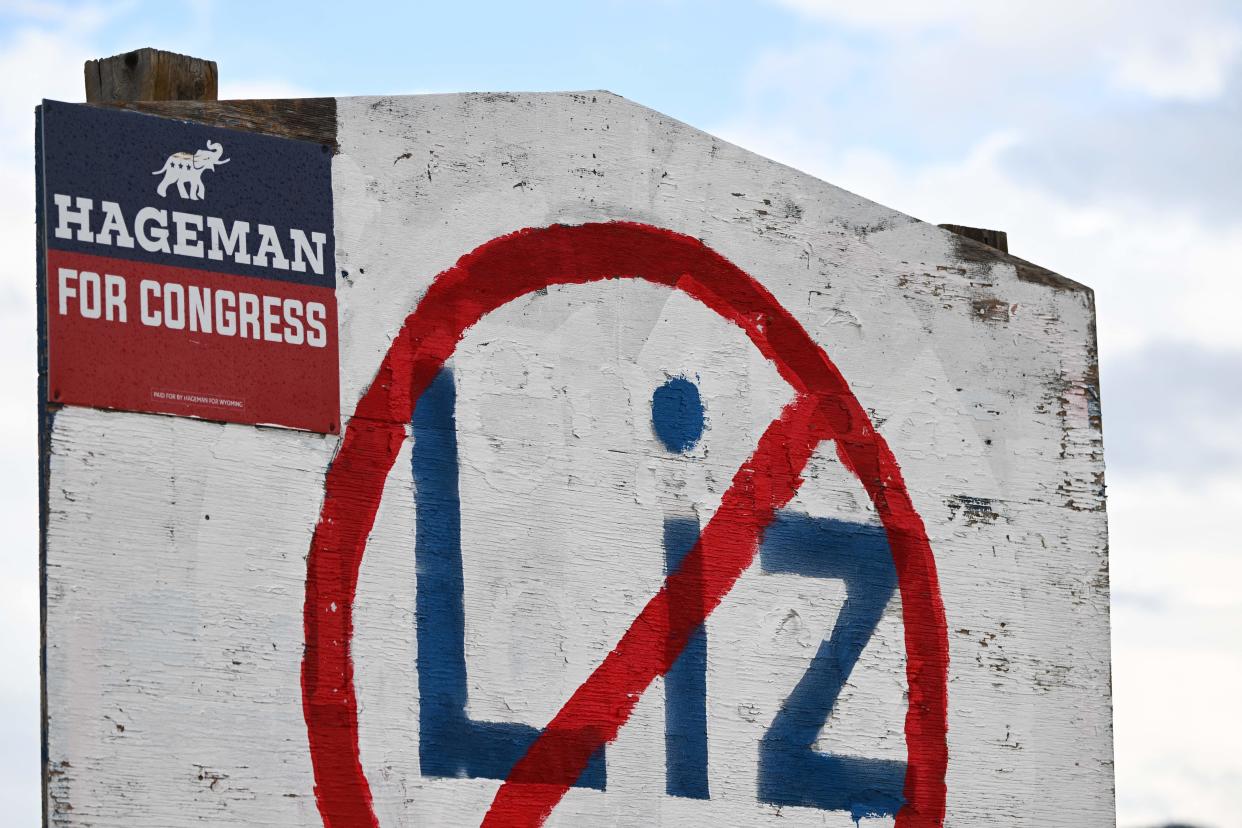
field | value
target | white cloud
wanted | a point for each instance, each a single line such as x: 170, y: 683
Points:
x: 1166, y: 50
x: 1177, y: 670
x: 1192, y: 66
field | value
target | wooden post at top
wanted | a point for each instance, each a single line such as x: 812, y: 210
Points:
x: 150, y: 75
x: 993, y: 238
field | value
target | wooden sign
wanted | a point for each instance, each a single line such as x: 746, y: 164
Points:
x: 674, y: 487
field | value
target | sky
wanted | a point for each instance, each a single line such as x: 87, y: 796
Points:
x: 1105, y: 136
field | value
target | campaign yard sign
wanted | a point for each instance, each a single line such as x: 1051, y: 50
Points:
x: 188, y: 269
x: 673, y: 486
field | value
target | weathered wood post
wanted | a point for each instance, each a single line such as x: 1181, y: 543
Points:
x: 150, y: 75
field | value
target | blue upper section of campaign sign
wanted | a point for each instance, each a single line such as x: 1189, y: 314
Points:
x: 113, y: 155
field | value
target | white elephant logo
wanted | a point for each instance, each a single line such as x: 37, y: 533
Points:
x: 186, y: 170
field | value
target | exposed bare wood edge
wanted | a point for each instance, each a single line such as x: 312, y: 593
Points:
x: 307, y: 119
x: 1092, y: 378
x: 45, y: 414
x: 969, y: 248
x: 993, y: 238
x: 151, y: 75
x: 976, y: 252
x: 971, y: 245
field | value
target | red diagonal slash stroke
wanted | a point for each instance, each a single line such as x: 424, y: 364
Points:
x: 823, y: 408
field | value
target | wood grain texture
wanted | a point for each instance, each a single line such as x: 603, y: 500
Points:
x: 176, y: 549
x: 306, y: 119
x: 992, y: 238
x: 150, y: 75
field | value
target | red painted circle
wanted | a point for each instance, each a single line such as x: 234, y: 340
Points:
x: 505, y: 269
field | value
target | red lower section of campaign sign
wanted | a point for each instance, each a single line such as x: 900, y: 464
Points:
x: 170, y: 340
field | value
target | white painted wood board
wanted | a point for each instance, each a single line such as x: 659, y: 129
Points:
x: 176, y: 548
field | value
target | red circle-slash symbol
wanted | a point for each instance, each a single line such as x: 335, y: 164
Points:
x: 823, y: 408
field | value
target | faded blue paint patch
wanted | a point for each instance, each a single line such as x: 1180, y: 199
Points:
x: 677, y: 414
x: 451, y: 744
